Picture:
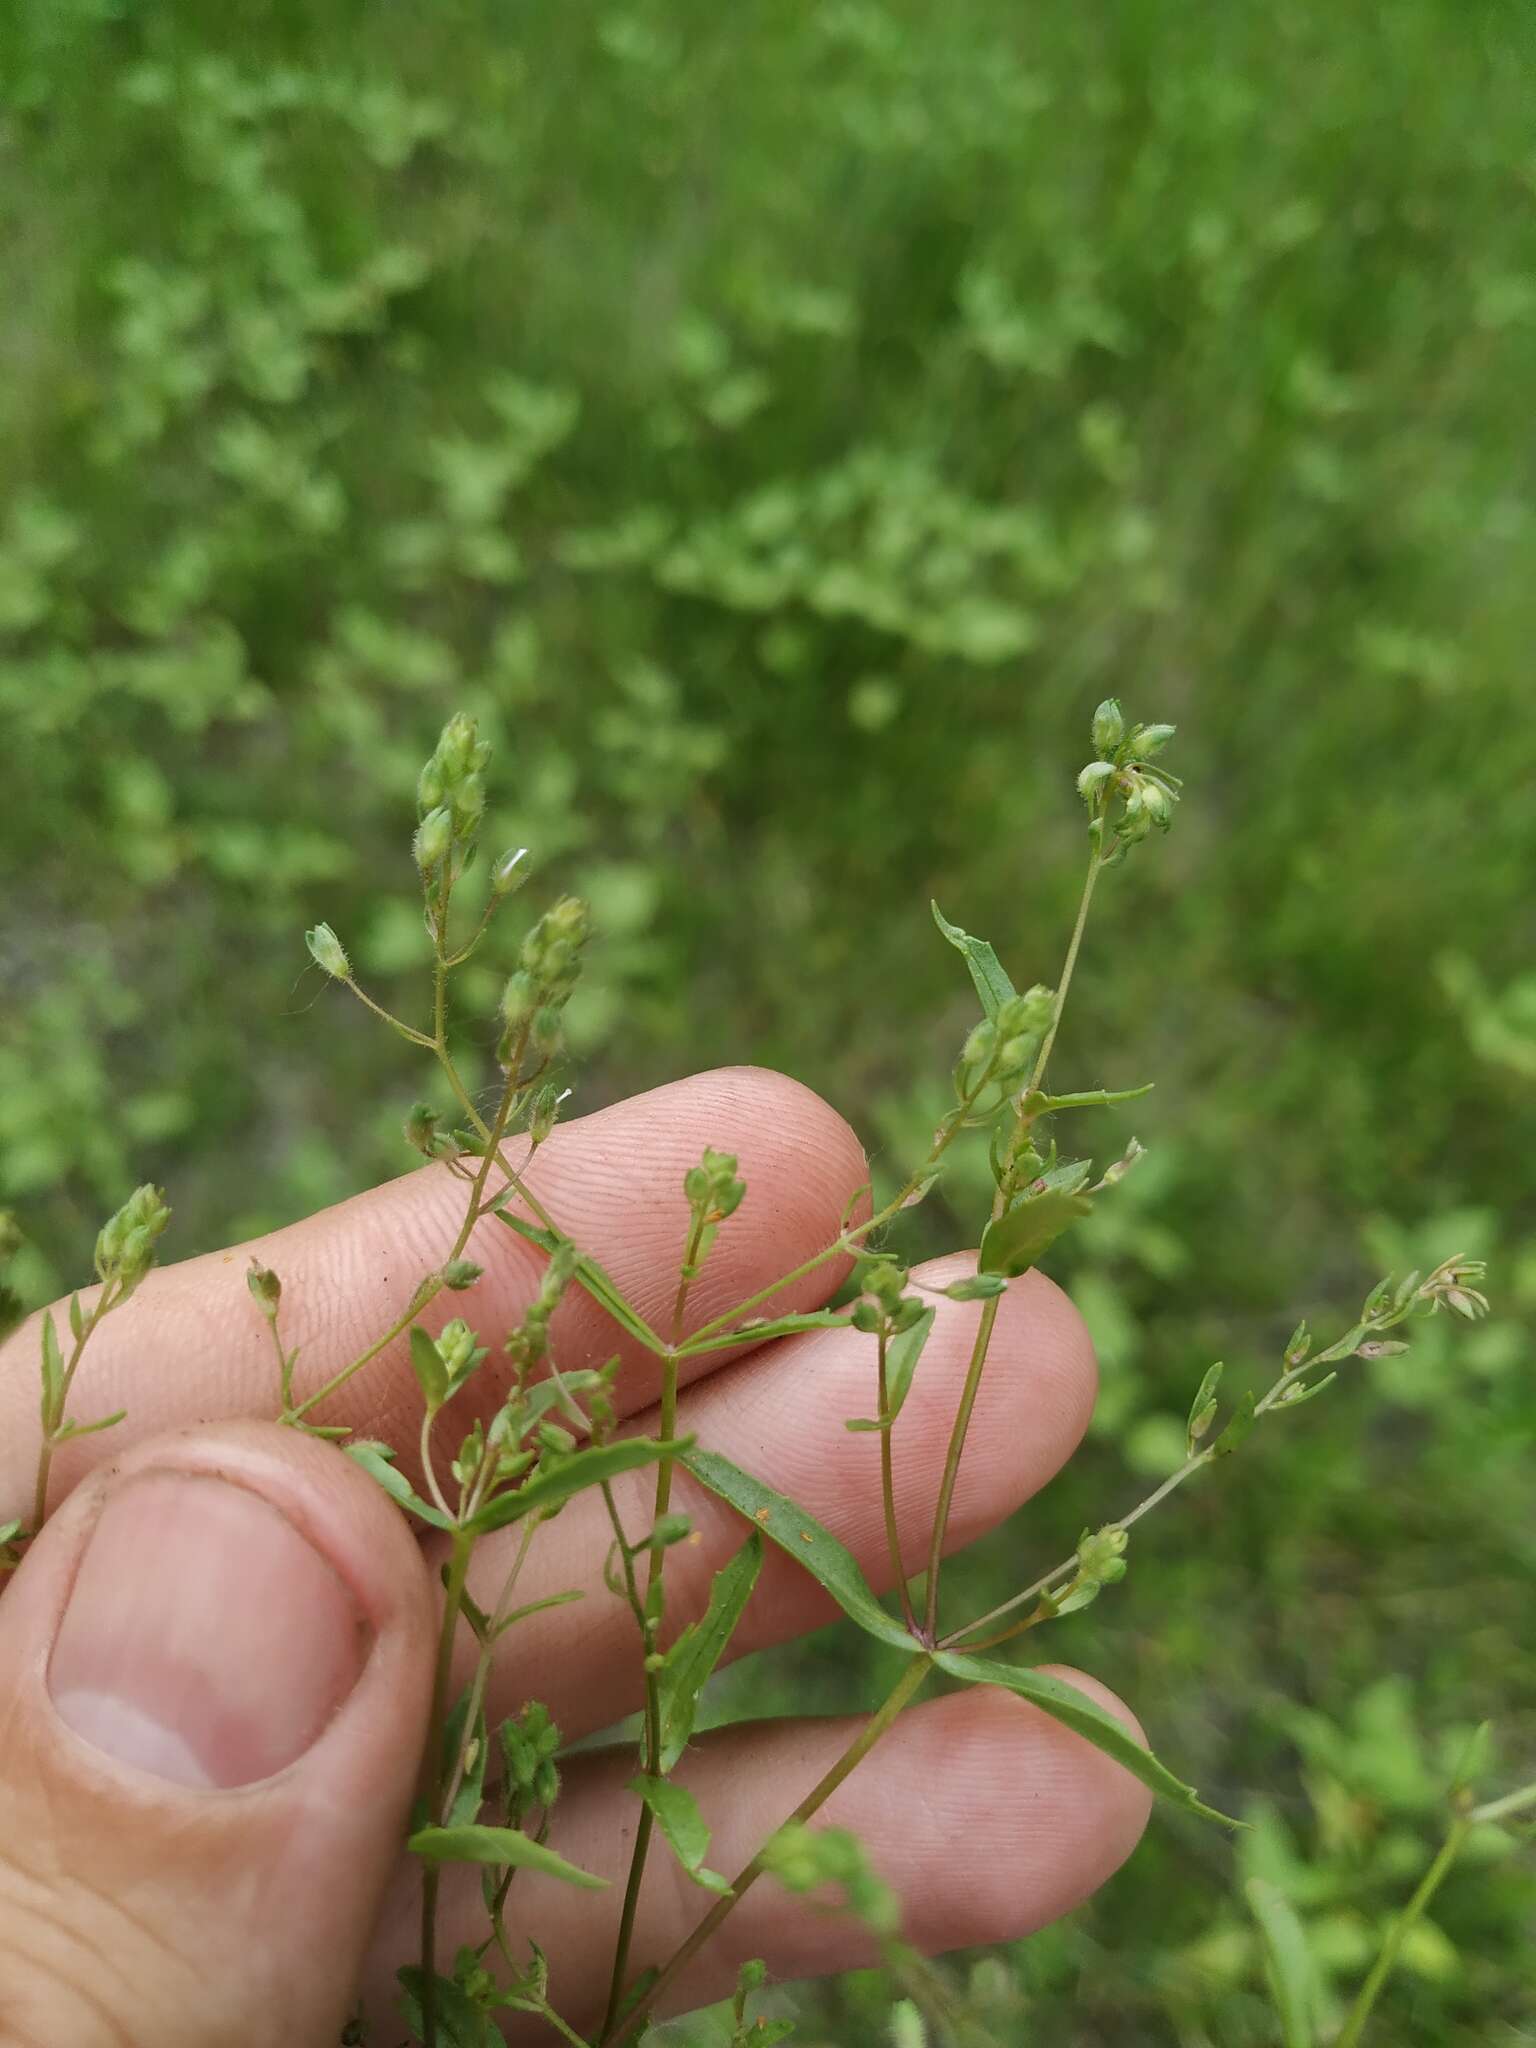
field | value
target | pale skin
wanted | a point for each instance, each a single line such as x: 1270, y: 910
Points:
x: 255, y: 1630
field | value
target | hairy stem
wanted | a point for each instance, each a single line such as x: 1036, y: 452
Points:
x: 874, y: 1728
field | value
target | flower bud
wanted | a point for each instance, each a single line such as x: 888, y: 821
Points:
x: 509, y: 873
x: 1108, y: 726
x: 266, y: 1289
x: 1093, y: 779
x: 461, y: 1273
x: 1147, y: 740
x: 434, y: 838
x: 326, y: 952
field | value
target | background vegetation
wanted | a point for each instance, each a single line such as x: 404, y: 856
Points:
x: 780, y: 425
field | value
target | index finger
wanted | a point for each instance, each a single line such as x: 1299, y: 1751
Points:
x: 190, y: 1346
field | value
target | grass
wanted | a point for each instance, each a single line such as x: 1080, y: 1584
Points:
x: 780, y: 427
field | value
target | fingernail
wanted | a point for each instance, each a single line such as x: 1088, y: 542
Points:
x: 205, y: 1640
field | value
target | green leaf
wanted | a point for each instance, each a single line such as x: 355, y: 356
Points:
x: 678, y: 1817
x: 1038, y: 1104
x: 1238, y: 1429
x: 700, y: 1647
x: 53, y: 1376
x: 551, y: 1489
x: 457, y: 2020
x: 504, y: 1848
x: 761, y: 1331
x: 471, y: 1793
x: 1076, y: 1711
x: 9, y: 1531
x: 991, y: 982
x: 431, y: 1373
x: 1017, y: 1239
x: 901, y: 1356
x: 803, y: 1538
x: 76, y: 1318
x: 602, y: 1289
x: 378, y: 1460
x: 535, y: 1607
x: 1202, y: 1410
x: 69, y: 1430
x: 1288, y: 1964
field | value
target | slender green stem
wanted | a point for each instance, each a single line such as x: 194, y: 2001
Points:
x: 1392, y: 1947
x: 655, y: 1597
x: 458, y: 1572
x: 952, y: 1458
x: 425, y: 1291
x: 1496, y: 1810
x: 873, y: 1729
x: 1067, y: 968
x: 888, y: 1489
x: 53, y: 1420
x: 395, y: 1023
x: 1068, y: 1565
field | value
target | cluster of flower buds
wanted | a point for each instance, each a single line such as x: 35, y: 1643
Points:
x: 884, y: 1307
x: 445, y: 1363
x: 529, y: 1746
x: 450, y: 798
x: 712, y: 1187
x: 1453, y: 1285
x: 536, y: 995
x: 529, y: 1342
x: 125, y: 1248
x: 999, y: 1050
x: 1125, y: 795
x: 1100, y: 1562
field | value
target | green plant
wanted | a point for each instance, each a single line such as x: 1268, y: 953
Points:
x: 553, y: 1434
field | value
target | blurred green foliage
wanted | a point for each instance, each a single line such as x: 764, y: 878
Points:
x: 779, y: 426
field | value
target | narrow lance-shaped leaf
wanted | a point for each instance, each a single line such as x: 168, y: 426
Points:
x: 802, y: 1537
x: 987, y: 972
x: 53, y: 1374
x: 503, y: 1848
x: 700, y: 1647
x: 581, y: 1469
x: 1084, y: 1717
x: 602, y: 1289
x: 1019, y: 1237
x: 759, y: 1332
x: 1288, y: 1964
x: 678, y: 1817
x: 378, y: 1460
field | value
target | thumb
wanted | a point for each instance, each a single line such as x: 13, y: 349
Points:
x: 215, y: 1670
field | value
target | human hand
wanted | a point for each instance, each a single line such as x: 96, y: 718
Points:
x: 215, y: 1661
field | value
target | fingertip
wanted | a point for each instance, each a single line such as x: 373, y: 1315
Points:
x: 1047, y: 1817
